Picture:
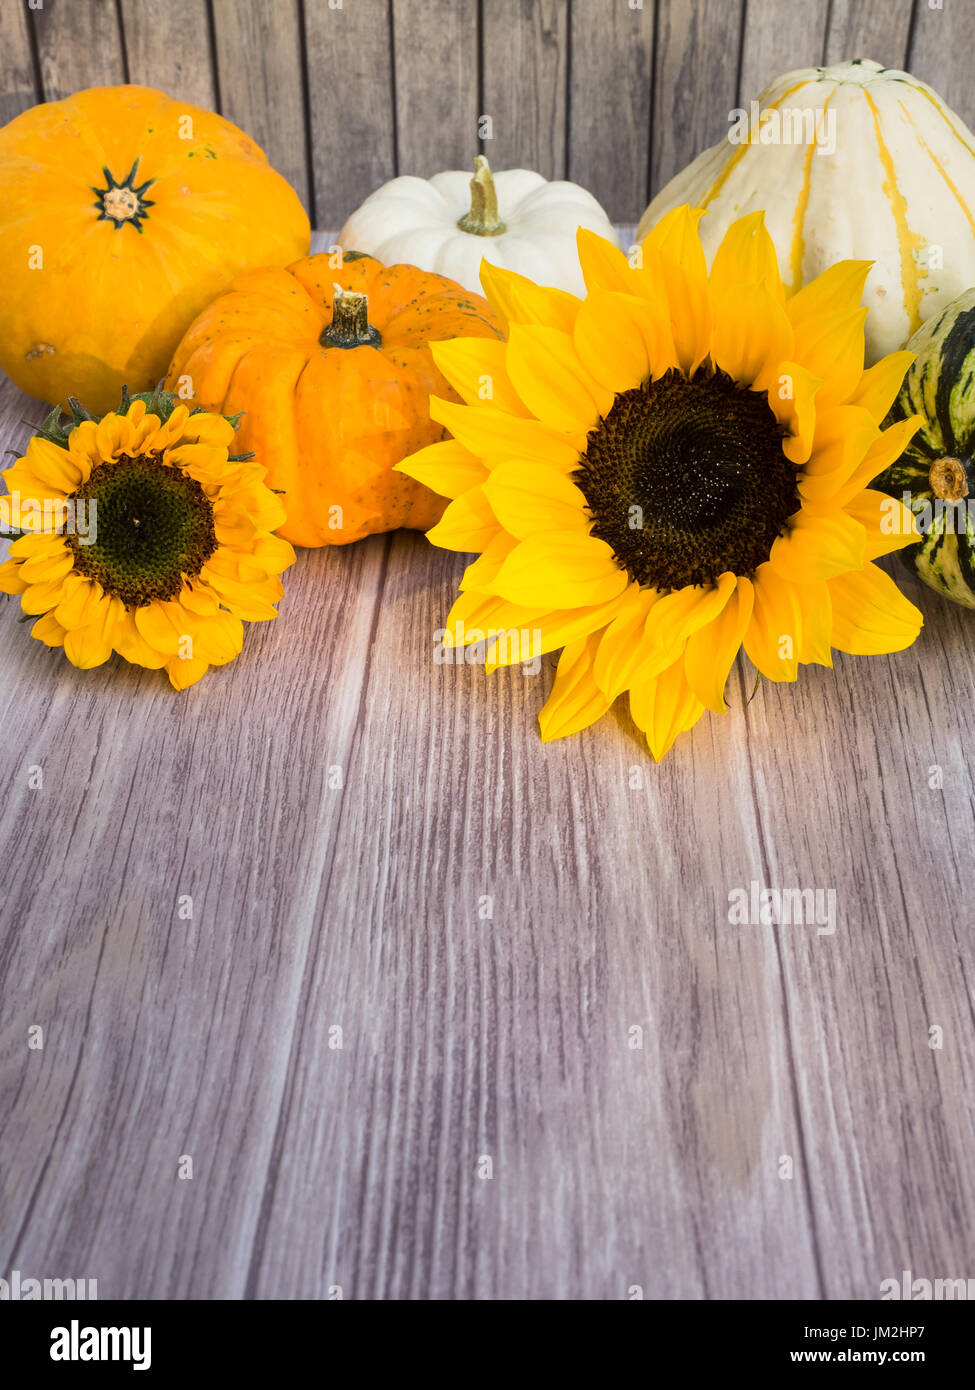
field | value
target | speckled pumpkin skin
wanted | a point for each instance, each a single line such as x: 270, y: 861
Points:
x: 90, y: 303
x: 330, y: 423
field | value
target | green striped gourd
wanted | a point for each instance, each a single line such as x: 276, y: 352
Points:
x: 937, y: 470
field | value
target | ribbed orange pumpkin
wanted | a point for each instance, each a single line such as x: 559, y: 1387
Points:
x: 122, y: 214
x: 330, y: 362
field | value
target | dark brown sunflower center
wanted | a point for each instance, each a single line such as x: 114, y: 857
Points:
x: 152, y: 525
x: 686, y: 479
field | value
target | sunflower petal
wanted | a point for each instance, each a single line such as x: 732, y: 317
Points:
x: 665, y: 707
x: 604, y: 267
x: 491, y: 435
x: 467, y: 524
x: 560, y: 570
x: 475, y: 368
x: 870, y: 614
x: 711, y: 651
x: 545, y: 370
x: 575, y: 701
x: 623, y: 341
x: 818, y: 547
x: 880, y: 384
x: 752, y: 335
x: 446, y: 468
x: 746, y: 256
x: 528, y: 500
x: 516, y: 299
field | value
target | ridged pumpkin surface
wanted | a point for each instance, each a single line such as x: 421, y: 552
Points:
x: 122, y: 214
x: 889, y: 177
x: 329, y: 423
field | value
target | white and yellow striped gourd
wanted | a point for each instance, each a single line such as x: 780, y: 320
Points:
x: 854, y: 160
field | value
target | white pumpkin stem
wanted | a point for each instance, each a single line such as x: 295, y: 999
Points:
x: 350, y: 326
x: 483, y: 219
x: 948, y: 479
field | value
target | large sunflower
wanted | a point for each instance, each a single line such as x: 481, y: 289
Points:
x: 670, y: 469
x: 176, y: 546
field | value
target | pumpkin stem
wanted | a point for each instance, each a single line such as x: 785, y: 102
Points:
x: 350, y: 326
x: 483, y: 219
x: 948, y: 479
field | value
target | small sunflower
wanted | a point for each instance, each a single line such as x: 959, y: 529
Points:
x: 670, y: 469
x: 142, y: 534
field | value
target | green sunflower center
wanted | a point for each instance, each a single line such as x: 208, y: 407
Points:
x: 153, y: 526
x: 686, y: 479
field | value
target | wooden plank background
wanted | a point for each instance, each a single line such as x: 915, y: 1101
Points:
x: 525, y: 949
x: 617, y: 95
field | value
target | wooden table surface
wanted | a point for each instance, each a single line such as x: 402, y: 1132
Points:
x: 461, y: 1015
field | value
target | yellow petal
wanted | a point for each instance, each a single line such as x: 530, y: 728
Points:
x: 481, y: 574
x: 665, y: 707
x: 818, y: 547
x: 871, y: 615
x: 560, y: 570
x: 575, y: 701
x: 81, y: 602
x: 829, y: 341
x: 90, y: 646
x: 467, y: 524
x: 880, y: 384
x: 837, y: 291
x: 816, y: 623
x: 39, y: 568
x: 40, y: 598
x: 773, y: 635
x: 161, y: 625
x: 492, y: 435
x: 447, y: 468
x: 711, y: 650
x: 844, y: 435
x: 792, y: 400
x: 676, y: 616
x: 132, y: 646
x: 752, y: 335
x: 48, y: 630
x: 604, y: 267
x: 527, y: 499
x: 54, y: 465
x: 888, y: 524
x: 623, y: 341
x: 184, y: 673
x: 10, y: 580
x: 545, y: 370
x: 746, y: 256
x: 475, y: 368
x: 881, y: 454
x: 546, y: 633
x: 516, y: 299
x: 628, y: 648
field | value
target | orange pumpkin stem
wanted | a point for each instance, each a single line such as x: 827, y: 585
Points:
x: 350, y: 326
x: 483, y: 218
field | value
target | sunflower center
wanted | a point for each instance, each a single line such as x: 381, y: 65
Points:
x: 686, y: 479
x: 153, y: 526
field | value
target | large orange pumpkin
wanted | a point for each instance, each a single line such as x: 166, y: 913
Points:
x: 329, y: 360
x: 122, y: 214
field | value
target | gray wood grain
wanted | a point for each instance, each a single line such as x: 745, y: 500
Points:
x: 467, y: 1036
x: 79, y: 44
x: 167, y: 45
x: 876, y: 29
x: 350, y: 91
x: 261, y: 81
x: 941, y: 41
x: 436, y: 96
x: 525, y: 63
x: 610, y: 82
x: 18, y: 88
x: 780, y: 35
x: 695, y: 81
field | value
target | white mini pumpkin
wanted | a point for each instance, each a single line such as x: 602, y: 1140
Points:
x: 898, y: 189
x: 515, y: 219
